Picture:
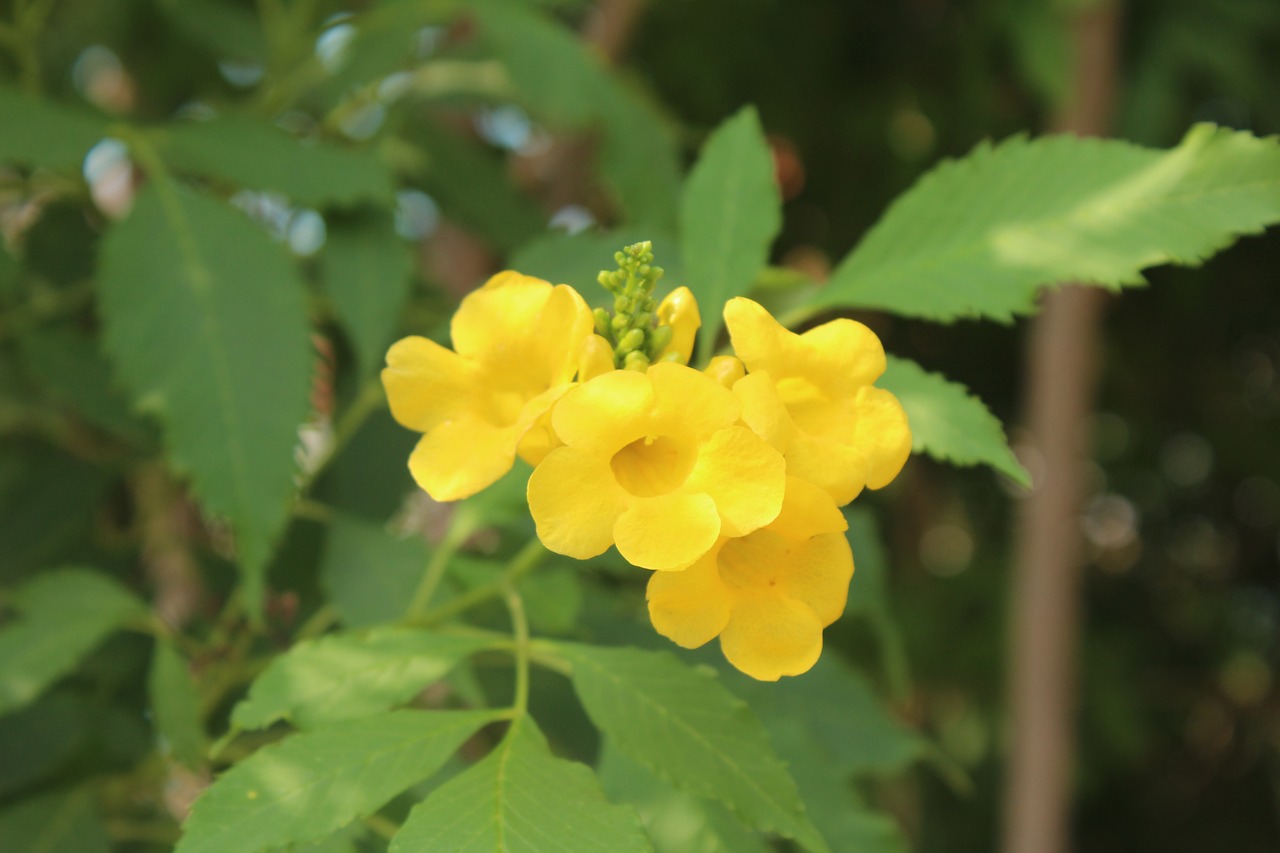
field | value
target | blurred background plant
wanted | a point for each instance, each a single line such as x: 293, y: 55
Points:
x: 401, y: 152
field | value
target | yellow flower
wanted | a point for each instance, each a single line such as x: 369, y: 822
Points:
x: 811, y: 396
x: 679, y: 311
x: 768, y: 594
x: 518, y: 341
x: 656, y: 463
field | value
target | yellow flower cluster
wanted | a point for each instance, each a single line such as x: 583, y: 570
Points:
x: 726, y: 483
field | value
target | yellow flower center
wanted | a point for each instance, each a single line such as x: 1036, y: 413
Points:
x: 653, y: 465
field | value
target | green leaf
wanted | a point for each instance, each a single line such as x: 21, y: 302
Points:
x: 640, y: 161
x: 71, y: 369
x: 39, y: 132
x: 366, y: 270
x: 54, y: 823
x: 675, y: 822
x: 521, y: 799
x: 259, y: 156
x: 308, y: 785
x: 551, y: 72
x: 63, y: 614
x: 947, y: 423
x: 473, y: 187
x: 341, y: 676
x: 980, y: 236
x: 206, y: 321
x: 227, y: 29
x: 729, y: 215
x: 686, y: 727
x: 368, y: 574
x: 175, y: 704
x: 40, y: 740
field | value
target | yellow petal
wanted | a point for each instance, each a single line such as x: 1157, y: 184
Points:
x: 764, y: 411
x: 458, y: 458
x: 757, y: 338
x: 726, y: 370
x: 743, y: 475
x: 666, y: 533
x: 689, y: 607
x: 846, y: 353
x: 807, y: 510
x: 537, y: 438
x: 607, y: 413
x: 426, y: 383
x: 575, y: 503
x: 881, y: 433
x: 690, y: 403
x: 838, y: 468
x: 596, y: 359
x: 492, y: 317
x: 679, y: 310
x: 820, y: 576
x: 769, y: 636
x: 556, y: 339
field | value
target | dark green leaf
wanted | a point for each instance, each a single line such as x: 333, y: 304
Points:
x: 40, y: 739
x: 228, y: 29
x: 368, y: 574
x: 206, y: 320
x: 366, y: 270
x: 350, y: 675
x: 70, y: 368
x: 980, y: 236
x: 308, y: 785
x: 521, y: 799
x: 40, y: 132
x: 175, y: 705
x: 62, y: 615
x: 259, y: 156
x: 685, y: 726
x: 551, y: 71
x: 729, y: 215
x: 640, y: 161
x: 65, y: 822
x: 947, y: 423
x: 473, y: 188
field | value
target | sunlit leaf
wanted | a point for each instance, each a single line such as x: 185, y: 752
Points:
x: 949, y: 424
x: 40, y: 132
x: 729, y: 215
x: 308, y: 785
x: 205, y: 318
x: 350, y: 675
x: 685, y: 726
x: 675, y: 822
x: 175, y: 704
x: 62, y: 615
x: 521, y: 799
x: 981, y: 235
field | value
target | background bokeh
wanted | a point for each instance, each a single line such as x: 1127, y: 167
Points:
x: 1179, y: 710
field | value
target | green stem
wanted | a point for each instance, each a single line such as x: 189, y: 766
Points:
x: 460, y: 529
x: 525, y: 561
x: 319, y: 622
x: 370, y: 398
x: 520, y: 627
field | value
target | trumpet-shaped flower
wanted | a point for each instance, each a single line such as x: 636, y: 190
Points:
x: 517, y: 343
x: 656, y: 463
x: 812, y: 397
x: 768, y: 594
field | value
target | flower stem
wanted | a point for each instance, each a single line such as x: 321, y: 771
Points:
x: 461, y: 527
x: 525, y: 561
x: 520, y: 627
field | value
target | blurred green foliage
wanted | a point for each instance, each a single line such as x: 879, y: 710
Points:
x: 308, y: 180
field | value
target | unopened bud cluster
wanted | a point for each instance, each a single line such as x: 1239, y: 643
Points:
x: 637, y: 342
